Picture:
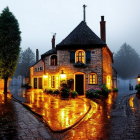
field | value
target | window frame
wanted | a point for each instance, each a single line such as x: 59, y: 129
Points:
x: 54, y: 59
x: 92, y: 80
x: 80, y: 58
x: 53, y: 84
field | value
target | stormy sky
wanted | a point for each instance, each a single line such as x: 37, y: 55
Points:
x: 39, y: 19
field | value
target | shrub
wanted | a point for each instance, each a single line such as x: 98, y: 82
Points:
x: 105, y: 90
x: 91, y: 93
x: 115, y: 89
x: 137, y: 87
x: 74, y: 94
x: 56, y: 92
x: 65, y: 92
x: 50, y: 91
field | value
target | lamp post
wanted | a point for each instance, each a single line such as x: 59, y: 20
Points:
x: 138, y: 78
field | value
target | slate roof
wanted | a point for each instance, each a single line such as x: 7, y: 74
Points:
x: 52, y: 51
x: 82, y: 35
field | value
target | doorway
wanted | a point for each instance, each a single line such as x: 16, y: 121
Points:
x: 79, y: 84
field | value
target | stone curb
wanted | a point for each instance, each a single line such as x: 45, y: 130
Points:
x: 40, y: 118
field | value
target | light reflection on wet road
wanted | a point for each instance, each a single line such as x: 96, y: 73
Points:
x: 61, y: 114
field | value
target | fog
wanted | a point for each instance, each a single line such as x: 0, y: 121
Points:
x: 39, y: 19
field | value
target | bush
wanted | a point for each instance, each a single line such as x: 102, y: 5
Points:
x: 91, y: 93
x: 137, y: 87
x: 74, y: 94
x: 105, y: 90
x: 65, y: 92
x: 115, y: 89
x: 56, y: 92
x: 49, y: 91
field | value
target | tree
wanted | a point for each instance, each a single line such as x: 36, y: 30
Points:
x: 26, y: 59
x: 9, y: 45
x: 127, y: 62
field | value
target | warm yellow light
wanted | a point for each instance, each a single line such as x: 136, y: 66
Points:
x: 63, y: 76
x: 138, y: 79
x: 45, y: 76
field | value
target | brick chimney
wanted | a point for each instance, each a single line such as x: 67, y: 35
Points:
x: 53, y: 41
x: 103, y: 29
x: 37, y: 55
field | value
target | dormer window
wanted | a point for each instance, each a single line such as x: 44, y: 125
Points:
x: 80, y: 56
x: 53, y: 60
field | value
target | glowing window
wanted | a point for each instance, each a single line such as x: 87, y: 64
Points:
x: 93, y: 78
x: 52, y: 81
x: 80, y: 56
x: 53, y: 60
x: 108, y: 82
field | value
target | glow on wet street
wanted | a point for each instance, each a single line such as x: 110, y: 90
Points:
x: 58, y: 114
x: 61, y: 114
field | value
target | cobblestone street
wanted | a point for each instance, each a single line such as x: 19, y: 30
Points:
x: 125, y: 120
x: 16, y: 122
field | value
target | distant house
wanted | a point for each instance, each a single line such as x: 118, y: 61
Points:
x: 82, y: 58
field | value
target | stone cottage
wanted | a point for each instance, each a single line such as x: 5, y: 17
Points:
x: 82, y: 59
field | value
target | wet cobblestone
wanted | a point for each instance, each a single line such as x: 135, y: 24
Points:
x: 126, y: 122
x: 17, y: 123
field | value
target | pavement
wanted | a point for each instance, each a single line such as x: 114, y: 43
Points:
x: 120, y: 123
x: 17, y: 123
x: 125, y: 122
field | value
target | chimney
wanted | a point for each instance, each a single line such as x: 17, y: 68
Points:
x: 103, y: 29
x: 53, y: 41
x: 37, y: 55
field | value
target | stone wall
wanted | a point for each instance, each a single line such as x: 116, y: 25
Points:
x: 68, y: 68
x: 107, y: 64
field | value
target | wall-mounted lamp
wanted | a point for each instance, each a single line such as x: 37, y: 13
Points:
x: 45, y: 76
x: 62, y: 75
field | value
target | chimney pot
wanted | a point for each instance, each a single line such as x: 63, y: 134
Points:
x: 102, y: 18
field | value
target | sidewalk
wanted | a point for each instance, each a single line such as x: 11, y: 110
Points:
x: 125, y: 120
x: 17, y: 123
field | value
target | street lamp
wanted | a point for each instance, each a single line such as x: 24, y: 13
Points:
x: 138, y: 78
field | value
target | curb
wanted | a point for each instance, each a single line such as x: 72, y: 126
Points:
x: 40, y: 118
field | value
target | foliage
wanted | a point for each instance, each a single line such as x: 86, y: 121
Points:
x: 26, y: 59
x: 105, y: 90
x: 56, y: 92
x: 74, y: 94
x: 49, y: 91
x: 127, y: 62
x: 65, y: 93
x: 9, y: 45
x: 115, y: 89
x: 137, y: 87
x: 91, y: 93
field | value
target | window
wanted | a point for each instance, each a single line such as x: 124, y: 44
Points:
x: 80, y: 56
x: 93, y: 78
x: 108, y: 82
x: 52, y: 81
x: 41, y: 68
x: 53, y: 60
